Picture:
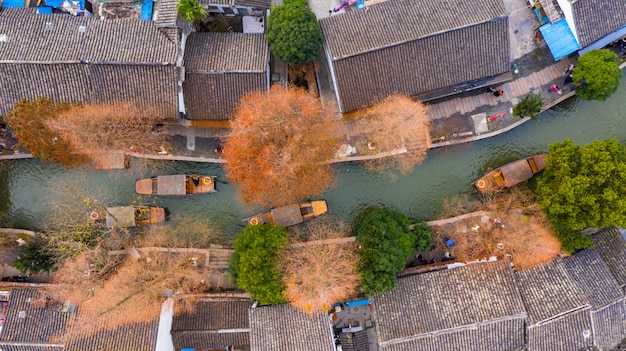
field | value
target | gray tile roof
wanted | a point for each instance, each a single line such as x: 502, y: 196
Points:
x: 609, y: 324
x: 358, y: 32
x: 594, y: 19
x: 587, y: 269
x: 220, y: 68
x: 566, y: 333
x: 611, y: 246
x: 212, y: 324
x: 283, y: 327
x: 463, y: 298
x: 215, y: 96
x: 148, y: 86
x: 373, y: 57
x: 167, y: 19
x: 58, y: 38
x: 265, y: 4
x: 127, y: 337
x: 548, y: 291
x: 500, y: 335
x: 32, y: 318
x: 226, y: 52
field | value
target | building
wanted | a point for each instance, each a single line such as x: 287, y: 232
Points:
x: 212, y: 324
x: 283, y: 327
x: 427, y: 49
x: 221, y: 68
x: 475, y: 307
x: 572, y: 304
x: 86, y: 60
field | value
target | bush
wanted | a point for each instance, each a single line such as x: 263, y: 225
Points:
x: 597, y: 75
x: 293, y: 33
x: 34, y: 257
x: 386, y: 243
x: 254, y: 263
x: 529, y: 106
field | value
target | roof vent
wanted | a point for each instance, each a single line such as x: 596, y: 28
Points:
x: 48, y: 26
x: 4, y: 38
x: 21, y: 314
x: 82, y: 29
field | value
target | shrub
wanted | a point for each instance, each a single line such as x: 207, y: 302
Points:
x: 191, y: 10
x: 529, y: 106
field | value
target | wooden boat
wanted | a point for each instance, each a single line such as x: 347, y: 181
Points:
x: 289, y: 215
x: 179, y: 184
x: 511, y: 173
x: 131, y: 216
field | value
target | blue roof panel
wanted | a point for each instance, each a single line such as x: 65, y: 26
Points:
x: 12, y: 3
x: 559, y: 38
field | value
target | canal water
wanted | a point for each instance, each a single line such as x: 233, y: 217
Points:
x: 32, y: 192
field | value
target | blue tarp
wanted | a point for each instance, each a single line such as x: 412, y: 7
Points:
x: 559, y: 38
x: 146, y: 10
x: 13, y: 3
x: 43, y: 10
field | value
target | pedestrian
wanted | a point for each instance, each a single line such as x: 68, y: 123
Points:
x: 568, y: 79
x: 555, y: 89
x: 498, y: 93
x: 569, y: 69
x: 490, y: 90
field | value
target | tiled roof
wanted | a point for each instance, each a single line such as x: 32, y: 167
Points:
x: 548, y: 291
x: 65, y: 38
x: 31, y: 318
x: 609, y: 324
x: 215, y: 96
x: 496, y: 336
x: 594, y: 19
x: 283, y: 327
x: 357, y: 32
x: 127, y: 337
x: 226, y: 52
x: 611, y: 246
x: 590, y: 273
x: 148, y: 86
x: 457, y: 298
x: 167, y: 19
x: 414, y: 66
x: 265, y: 4
x: 198, y: 325
x: 566, y: 333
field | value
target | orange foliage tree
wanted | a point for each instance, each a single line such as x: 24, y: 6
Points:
x: 28, y: 120
x: 277, y: 147
x: 397, y: 127
x: 319, y: 273
x: 96, y: 129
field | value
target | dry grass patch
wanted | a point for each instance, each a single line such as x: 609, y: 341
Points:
x: 516, y: 230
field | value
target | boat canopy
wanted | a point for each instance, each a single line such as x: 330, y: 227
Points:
x: 123, y: 216
x: 171, y: 185
x: 286, y: 216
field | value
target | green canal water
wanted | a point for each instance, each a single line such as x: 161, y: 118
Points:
x: 32, y: 192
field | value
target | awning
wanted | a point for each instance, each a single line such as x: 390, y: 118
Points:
x: 599, y: 44
x: 559, y: 38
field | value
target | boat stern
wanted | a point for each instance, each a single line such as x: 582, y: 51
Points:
x: 144, y: 186
x: 319, y: 207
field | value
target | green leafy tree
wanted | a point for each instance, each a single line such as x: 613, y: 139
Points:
x: 293, y: 33
x: 529, y: 106
x: 254, y: 263
x: 597, y: 75
x: 423, y: 237
x: 34, y: 257
x: 191, y: 10
x: 583, y: 187
x: 386, y: 242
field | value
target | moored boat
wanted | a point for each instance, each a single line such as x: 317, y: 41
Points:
x: 511, y: 173
x: 178, y: 184
x: 128, y: 216
x: 289, y: 215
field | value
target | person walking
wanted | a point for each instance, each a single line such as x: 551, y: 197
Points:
x: 498, y: 93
